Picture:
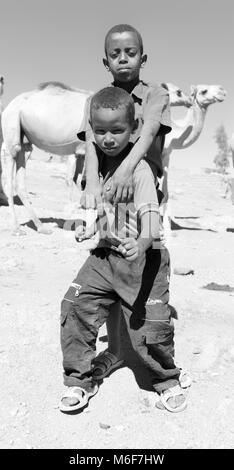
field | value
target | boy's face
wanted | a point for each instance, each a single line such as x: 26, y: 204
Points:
x: 111, y: 130
x: 124, y: 58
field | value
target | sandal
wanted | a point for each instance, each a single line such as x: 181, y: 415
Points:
x: 184, y: 379
x: 172, y: 393
x: 81, y: 395
x: 104, y: 363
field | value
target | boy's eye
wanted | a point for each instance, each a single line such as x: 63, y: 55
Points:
x: 117, y: 131
x: 132, y: 53
x: 99, y: 131
x: 113, y: 55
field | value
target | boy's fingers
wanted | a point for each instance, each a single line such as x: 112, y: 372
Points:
x: 125, y: 241
x: 130, y: 252
x: 131, y: 257
x: 121, y: 249
x: 110, y: 190
x: 129, y: 246
x: 130, y: 193
x: 124, y: 197
x: 118, y: 195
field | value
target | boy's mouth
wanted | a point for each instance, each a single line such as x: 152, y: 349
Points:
x: 109, y: 150
x: 112, y: 149
x: 124, y: 69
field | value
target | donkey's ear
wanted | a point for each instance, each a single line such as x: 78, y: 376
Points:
x: 193, y: 89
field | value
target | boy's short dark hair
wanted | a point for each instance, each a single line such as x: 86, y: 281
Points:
x: 114, y: 98
x: 122, y: 28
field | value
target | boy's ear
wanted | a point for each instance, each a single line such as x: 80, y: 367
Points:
x: 106, y: 64
x: 143, y: 60
x: 135, y: 125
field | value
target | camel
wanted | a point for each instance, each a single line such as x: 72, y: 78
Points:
x: 186, y: 131
x: 48, y: 117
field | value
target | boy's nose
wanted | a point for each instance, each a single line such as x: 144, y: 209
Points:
x: 123, y: 57
x: 108, y: 140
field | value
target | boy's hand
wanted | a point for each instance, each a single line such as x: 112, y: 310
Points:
x: 121, y: 189
x: 129, y: 248
x: 91, y: 197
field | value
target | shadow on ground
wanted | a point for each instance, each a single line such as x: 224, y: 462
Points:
x: 175, y: 226
x: 64, y: 224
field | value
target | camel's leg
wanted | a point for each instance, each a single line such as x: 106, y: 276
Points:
x: 75, y: 165
x: 22, y: 191
x: 165, y: 211
x: 8, y: 171
x: 80, y: 171
x: 3, y: 197
x: 71, y: 169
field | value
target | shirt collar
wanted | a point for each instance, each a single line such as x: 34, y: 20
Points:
x: 138, y: 91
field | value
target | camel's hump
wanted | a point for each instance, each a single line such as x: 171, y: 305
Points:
x: 61, y: 86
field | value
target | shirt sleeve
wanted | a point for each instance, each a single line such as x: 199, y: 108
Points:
x: 145, y: 193
x: 157, y: 108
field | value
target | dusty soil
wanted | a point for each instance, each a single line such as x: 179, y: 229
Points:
x: 35, y: 271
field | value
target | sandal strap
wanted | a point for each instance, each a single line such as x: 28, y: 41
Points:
x: 171, y: 393
x: 71, y: 392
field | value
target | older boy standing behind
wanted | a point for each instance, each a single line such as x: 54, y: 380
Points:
x: 124, y: 59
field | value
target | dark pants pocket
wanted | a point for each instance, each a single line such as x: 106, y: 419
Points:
x: 68, y: 301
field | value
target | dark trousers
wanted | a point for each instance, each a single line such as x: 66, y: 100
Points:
x: 143, y: 288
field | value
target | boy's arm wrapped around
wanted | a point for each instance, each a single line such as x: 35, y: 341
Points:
x: 156, y: 120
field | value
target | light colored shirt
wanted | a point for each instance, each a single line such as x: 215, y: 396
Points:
x: 124, y: 220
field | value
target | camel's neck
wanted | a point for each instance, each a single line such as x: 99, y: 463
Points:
x: 186, y: 131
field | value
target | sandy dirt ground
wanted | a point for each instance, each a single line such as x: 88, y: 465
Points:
x: 35, y: 271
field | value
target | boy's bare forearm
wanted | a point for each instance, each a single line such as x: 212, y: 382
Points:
x: 149, y: 131
x: 91, y: 161
x: 150, y: 230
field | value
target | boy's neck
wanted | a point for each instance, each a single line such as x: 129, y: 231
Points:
x: 111, y: 164
x: 127, y: 86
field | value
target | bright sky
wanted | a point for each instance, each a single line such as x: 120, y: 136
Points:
x: 187, y: 42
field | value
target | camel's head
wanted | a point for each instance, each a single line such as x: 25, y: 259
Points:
x: 177, y: 96
x: 205, y: 95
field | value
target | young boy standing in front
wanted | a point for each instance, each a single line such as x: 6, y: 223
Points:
x: 125, y: 266
x: 124, y: 59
